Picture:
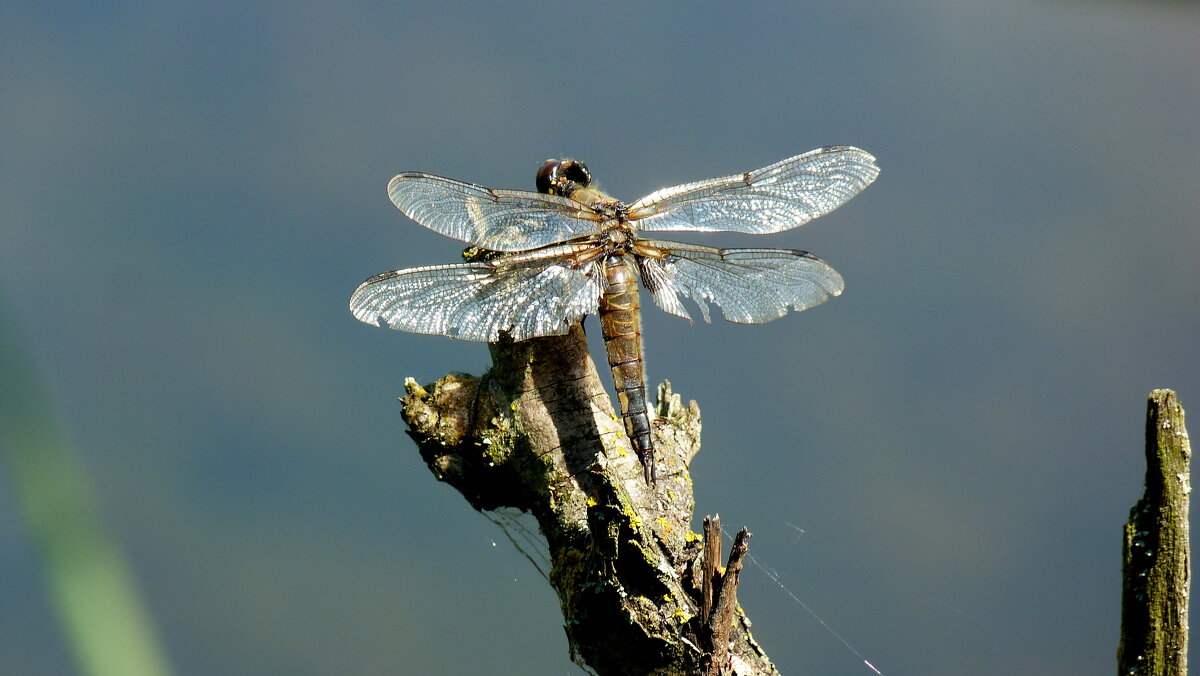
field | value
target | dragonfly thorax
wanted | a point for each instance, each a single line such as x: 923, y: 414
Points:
x: 618, y: 236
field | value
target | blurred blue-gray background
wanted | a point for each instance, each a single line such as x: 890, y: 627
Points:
x: 940, y: 460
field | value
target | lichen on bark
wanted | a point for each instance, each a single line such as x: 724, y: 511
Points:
x: 1157, y: 551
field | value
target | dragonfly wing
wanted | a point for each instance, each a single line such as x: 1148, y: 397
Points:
x: 500, y: 220
x: 478, y: 301
x: 779, y: 197
x: 751, y: 286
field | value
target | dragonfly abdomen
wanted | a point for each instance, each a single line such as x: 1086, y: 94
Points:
x: 620, y: 323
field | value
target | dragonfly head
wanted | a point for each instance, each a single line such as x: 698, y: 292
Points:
x: 562, y: 177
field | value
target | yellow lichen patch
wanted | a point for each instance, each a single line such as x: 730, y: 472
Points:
x: 681, y: 616
x: 496, y: 445
x: 571, y: 564
x: 692, y: 537
x: 412, y: 387
x: 665, y: 526
x: 635, y: 519
x: 493, y: 456
x: 591, y: 501
x: 611, y: 443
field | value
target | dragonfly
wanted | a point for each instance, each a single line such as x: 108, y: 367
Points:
x: 539, y: 262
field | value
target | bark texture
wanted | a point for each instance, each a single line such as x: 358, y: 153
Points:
x: 538, y: 433
x: 1157, y: 571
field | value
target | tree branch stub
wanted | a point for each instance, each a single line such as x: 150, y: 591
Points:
x: 538, y: 433
x: 1157, y: 557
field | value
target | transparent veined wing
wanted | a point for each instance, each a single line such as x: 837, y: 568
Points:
x: 778, y: 197
x: 500, y: 220
x: 526, y: 296
x: 751, y: 286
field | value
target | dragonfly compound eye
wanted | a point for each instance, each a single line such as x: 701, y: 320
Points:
x: 576, y: 172
x: 562, y: 177
x: 548, y: 176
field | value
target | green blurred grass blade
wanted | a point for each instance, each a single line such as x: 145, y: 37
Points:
x: 93, y: 591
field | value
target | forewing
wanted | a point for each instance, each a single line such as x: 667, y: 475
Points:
x: 500, y: 220
x: 477, y: 301
x: 779, y: 197
x: 751, y: 286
